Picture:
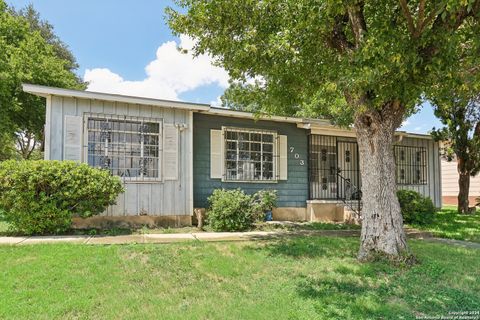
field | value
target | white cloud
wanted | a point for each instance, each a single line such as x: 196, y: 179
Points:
x: 169, y: 75
x: 217, y: 102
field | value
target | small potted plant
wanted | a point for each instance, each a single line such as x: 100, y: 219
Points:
x: 267, y: 200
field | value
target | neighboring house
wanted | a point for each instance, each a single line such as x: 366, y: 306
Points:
x: 450, y: 184
x: 172, y: 155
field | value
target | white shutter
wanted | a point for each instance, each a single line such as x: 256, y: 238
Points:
x: 216, y: 154
x: 72, y: 142
x: 283, y: 158
x: 170, y: 152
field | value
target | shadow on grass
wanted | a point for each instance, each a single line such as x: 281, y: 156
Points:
x: 337, y: 286
x: 449, y: 224
x: 333, y: 282
x: 321, y: 288
x: 311, y: 247
x: 6, y: 231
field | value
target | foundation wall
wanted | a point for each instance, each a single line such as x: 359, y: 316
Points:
x: 107, y: 222
x: 290, y: 214
x: 279, y: 214
x: 453, y: 200
x: 325, y: 212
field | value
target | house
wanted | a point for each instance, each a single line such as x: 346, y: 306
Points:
x: 450, y: 187
x: 172, y: 155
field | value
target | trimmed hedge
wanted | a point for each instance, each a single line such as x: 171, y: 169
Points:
x: 41, y: 197
x: 416, y: 209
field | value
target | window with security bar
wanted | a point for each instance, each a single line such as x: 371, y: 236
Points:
x: 411, y: 165
x: 250, y: 155
x: 128, y: 147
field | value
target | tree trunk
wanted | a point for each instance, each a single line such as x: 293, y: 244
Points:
x: 464, y: 190
x: 382, y: 222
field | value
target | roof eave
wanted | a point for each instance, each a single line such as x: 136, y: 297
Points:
x: 45, y: 91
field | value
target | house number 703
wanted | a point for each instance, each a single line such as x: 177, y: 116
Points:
x: 297, y: 156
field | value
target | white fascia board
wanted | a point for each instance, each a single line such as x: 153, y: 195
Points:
x: 45, y: 91
x: 414, y: 135
x: 323, y: 127
x: 249, y: 115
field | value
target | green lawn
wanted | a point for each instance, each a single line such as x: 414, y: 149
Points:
x: 5, y: 231
x: 449, y: 224
x: 296, y: 278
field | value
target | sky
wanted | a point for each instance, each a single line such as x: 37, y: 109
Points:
x: 126, y: 47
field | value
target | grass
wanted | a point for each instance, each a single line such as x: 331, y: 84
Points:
x: 3, y: 228
x: 5, y: 231
x: 449, y: 224
x: 305, y: 226
x: 300, y: 278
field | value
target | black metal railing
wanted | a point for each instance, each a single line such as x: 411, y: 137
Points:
x: 350, y: 194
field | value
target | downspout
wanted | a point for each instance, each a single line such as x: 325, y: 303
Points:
x: 180, y: 127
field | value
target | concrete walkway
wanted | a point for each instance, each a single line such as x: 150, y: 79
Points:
x: 172, y: 237
x: 459, y: 243
x: 195, y: 236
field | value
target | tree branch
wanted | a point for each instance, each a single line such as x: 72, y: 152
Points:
x: 421, y: 14
x: 460, y: 16
x: 357, y: 22
x: 446, y: 25
x: 476, y: 132
x: 431, y: 17
x: 408, y: 16
x: 339, y: 40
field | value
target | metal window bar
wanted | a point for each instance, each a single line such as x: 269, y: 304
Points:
x: 250, y: 154
x: 411, y: 165
x: 129, y: 147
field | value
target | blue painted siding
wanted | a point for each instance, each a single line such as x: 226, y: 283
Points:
x: 291, y: 193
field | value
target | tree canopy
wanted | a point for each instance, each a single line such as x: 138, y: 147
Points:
x: 26, y: 56
x: 364, y: 62
x: 460, y: 135
x: 317, y: 57
x: 461, y: 131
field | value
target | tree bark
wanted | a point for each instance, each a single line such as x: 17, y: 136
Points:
x: 382, y: 222
x: 464, y: 190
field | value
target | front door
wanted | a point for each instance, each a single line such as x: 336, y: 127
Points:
x: 348, y: 183
x: 333, y: 168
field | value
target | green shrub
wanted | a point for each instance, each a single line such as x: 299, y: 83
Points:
x: 416, y: 209
x: 266, y: 199
x: 40, y: 197
x: 232, y: 210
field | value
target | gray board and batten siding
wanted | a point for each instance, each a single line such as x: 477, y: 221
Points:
x: 292, y: 192
x: 432, y: 187
x: 171, y: 194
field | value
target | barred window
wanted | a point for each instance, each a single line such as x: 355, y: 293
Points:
x: 128, y: 147
x: 411, y: 163
x: 249, y: 155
